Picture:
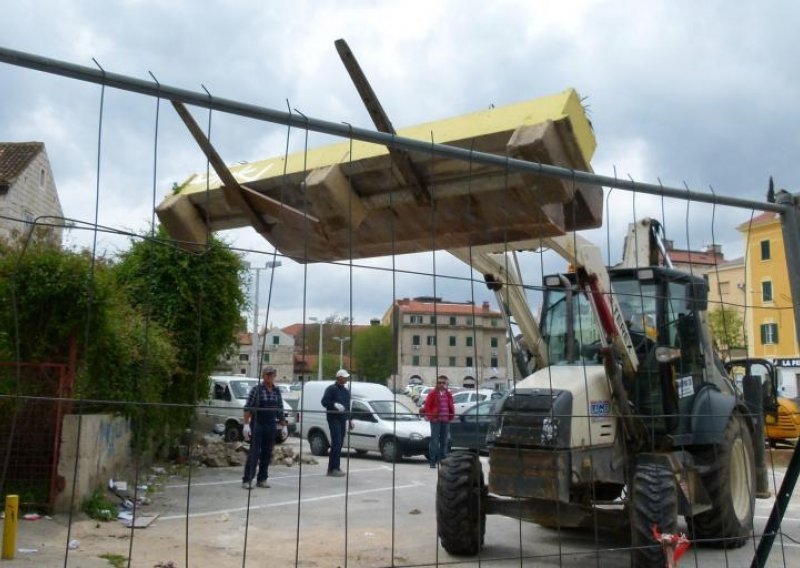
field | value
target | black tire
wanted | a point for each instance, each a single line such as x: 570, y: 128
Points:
x: 654, y: 501
x: 732, y: 488
x: 460, y: 504
x: 390, y: 452
x: 361, y: 452
x: 319, y: 443
x: 233, y: 431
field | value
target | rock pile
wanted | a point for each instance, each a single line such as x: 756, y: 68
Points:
x: 213, y: 451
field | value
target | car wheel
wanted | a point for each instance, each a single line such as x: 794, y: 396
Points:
x: 389, y: 450
x: 318, y: 442
x: 233, y: 431
x: 460, y: 512
x: 361, y: 452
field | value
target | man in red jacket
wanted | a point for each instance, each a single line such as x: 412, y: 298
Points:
x: 439, y: 410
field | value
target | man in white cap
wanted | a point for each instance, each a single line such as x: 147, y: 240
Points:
x: 336, y: 401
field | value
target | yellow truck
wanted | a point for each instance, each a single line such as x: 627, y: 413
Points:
x: 781, y: 414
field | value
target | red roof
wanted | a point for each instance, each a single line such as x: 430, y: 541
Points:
x: 444, y: 308
x: 765, y: 217
x: 15, y: 157
x: 695, y: 257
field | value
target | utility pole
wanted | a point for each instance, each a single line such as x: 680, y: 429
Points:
x: 321, y: 322
x: 341, y: 341
x: 254, y: 361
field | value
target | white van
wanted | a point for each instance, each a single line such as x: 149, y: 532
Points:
x: 225, y: 405
x: 380, y: 422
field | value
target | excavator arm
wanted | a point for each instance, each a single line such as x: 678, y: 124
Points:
x: 502, y: 276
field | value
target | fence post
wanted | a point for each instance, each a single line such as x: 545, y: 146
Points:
x: 790, y: 225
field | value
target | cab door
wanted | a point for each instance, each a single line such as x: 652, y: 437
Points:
x: 364, y: 436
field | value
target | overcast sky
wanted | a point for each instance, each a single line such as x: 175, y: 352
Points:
x: 702, y: 93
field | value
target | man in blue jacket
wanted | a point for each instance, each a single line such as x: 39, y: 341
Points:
x: 336, y: 401
x: 262, y: 411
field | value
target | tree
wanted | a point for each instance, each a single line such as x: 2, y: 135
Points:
x: 50, y: 297
x: 374, y: 353
x: 727, y: 328
x: 197, y: 297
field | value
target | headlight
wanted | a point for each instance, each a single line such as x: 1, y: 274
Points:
x: 416, y: 436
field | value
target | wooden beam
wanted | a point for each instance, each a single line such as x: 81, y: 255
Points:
x: 401, y: 159
x: 334, y: 199
x: 248, y: 201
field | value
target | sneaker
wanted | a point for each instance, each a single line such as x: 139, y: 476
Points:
x: 247, y: 485
x: 336, y: 473
x: 263, y: 485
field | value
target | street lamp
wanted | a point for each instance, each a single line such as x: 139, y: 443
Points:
x: 319, y: 371
x: 269, y: 265
x: 341, y: 341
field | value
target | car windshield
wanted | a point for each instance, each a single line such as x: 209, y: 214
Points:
x: 241, y: 388
x: 391, y: 410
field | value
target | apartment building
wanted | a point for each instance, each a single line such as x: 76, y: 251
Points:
x: 769, y: 317
x: 465, y: 342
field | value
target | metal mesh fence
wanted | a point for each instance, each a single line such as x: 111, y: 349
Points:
x: 583, y: 458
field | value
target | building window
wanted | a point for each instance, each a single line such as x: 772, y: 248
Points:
x: 452, y: 341
x: 433, y: 361
x: 766, y: 291
x: 431, y: 340
x: 42, y: 177
x: 494, y: 342
x: 276, y: 339
x: 244, y: 357
x: 724, y: 288
x: 469, y: 321
x: 416, y: 319
x: 468, y: 362
x: 769, y: 333
x: 493, y: 362
x: 494, y: 322
x: 451, y: 361
x: 452, y: 320
x: 433, y: 320
x: 415, y: 360
x: 469, y: 342
x: 265, y: 357
x: 415, y: 340
x: 765, y: 252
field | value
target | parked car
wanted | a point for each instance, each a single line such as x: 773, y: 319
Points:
x: 470, y: 397
x: 225, y: 405
x: 380, y: 422
x: 284, y: 388
x: 469, y: 429
x: 423, y: 394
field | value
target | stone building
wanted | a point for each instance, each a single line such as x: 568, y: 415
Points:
x: 27, y: 191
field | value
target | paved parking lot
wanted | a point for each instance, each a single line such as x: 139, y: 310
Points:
x: 379, y: 515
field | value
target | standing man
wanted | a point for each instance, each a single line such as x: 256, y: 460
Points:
x: 336, y: 401
x: 440, y: 411
x: 264, y: 408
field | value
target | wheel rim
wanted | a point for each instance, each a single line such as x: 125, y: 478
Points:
x: 740, y: 480
x: 316, y: 443
x: 389, y: 450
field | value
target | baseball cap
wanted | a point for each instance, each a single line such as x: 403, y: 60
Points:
x: 342, y: 373
x: 269, y: 369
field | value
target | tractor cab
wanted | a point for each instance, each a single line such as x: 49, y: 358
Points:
x: 664, y: 315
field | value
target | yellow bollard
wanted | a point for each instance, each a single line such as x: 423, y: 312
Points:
x: 10, y: 527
